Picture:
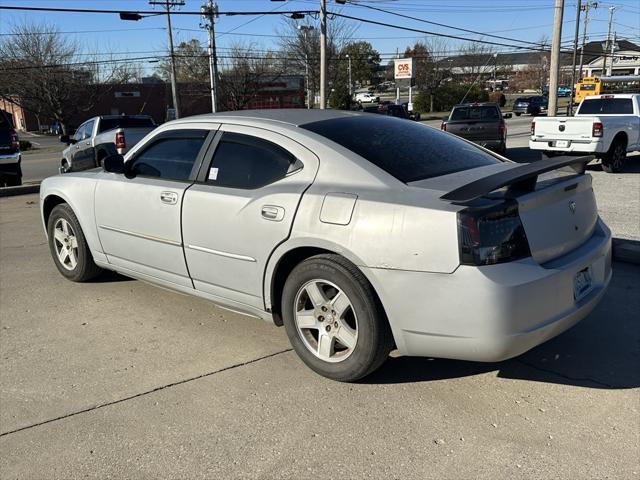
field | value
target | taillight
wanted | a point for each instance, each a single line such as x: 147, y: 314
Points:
x: 443, y: 126
x: 502, y: 128
x: 15, y: 143
x: 487, y: 236
x: 120, y: 142
x: 597, y: 129
x: 533, y: 128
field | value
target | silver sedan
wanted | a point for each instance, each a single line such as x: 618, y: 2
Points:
x: 360, y: 233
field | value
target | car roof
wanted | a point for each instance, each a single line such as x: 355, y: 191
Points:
x: 290, y: 116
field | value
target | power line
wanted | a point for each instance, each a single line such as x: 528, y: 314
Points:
x: 152, y: 12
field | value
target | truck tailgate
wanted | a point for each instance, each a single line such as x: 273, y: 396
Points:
x: 560, y: 128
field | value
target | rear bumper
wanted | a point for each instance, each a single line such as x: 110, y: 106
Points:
x: 495, y: 312
x: 10, y: 159
x: 577, y: 146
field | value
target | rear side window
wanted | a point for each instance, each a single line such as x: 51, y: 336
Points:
x: 125, y: 122
x: 171, y: 156
x: 475, y: 113
x: 243, y: 161
x: 606, y: 106
x: 406, y: 150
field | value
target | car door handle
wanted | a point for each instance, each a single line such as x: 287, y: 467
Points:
x: 170, y: 198
x: 272, y: 212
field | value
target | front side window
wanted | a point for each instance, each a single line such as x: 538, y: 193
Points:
x: 247, y: 162
x: 172, y: 155
x: 80, y: 133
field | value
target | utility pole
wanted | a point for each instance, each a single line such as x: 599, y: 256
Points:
x: 350, y: 84
x: 586, y: 7
x: 174, y: 87
x: 613, y: 51
x: 555, y: 58
x: 323, y: 54
x: 209, y: 12
x: 606, y: 48
x: 573, y: 61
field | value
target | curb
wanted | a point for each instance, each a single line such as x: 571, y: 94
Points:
x: 21, y: 190
x: 626, y: 250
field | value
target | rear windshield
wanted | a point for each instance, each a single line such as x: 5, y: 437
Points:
x: 125, y: 122
x: 406, y: 150
x: 591, y: 86
x: 475, y: 113
x: 523, y: 100
x: 606, y: 106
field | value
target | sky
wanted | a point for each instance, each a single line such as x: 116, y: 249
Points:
x: 526, y: 20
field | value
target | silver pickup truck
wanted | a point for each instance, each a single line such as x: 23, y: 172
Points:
x: 101, y: 136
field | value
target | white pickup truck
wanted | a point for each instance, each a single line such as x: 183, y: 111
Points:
x: 607, y: 126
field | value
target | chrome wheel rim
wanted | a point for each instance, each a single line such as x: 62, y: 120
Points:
x: 326, y: 320
x: 65, y: 244
x: 618, y: 156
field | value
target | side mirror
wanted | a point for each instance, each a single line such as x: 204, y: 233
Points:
x: 67, y: 139
x: 114, y: 164
x: 507, y: 115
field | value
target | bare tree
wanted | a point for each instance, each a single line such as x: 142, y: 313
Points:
x: 476, y: 61
x: 243, y: 73
x: 430, y: 71
x: 192, y: 63
x: 45, y: 73
x: 536, y: 73
x: 300, y: 48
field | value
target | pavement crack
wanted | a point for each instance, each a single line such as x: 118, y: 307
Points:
x: 566, y: 377
x: 142, y: 394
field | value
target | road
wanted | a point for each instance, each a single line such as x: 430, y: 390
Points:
x: 119, y: 379
x: 44, y: 160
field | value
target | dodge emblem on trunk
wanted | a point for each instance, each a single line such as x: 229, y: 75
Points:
x: 561, y: 128
x: 572, y: 206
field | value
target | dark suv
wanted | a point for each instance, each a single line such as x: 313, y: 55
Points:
x: 10, y: 159
x: 481, y: 123
x: 535, y: 105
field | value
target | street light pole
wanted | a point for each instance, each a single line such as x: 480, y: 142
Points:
x: 555, y: 58
x: 350, y: 83
x: 606, y: 48
x: 306, y: 29
x: 323, y: 54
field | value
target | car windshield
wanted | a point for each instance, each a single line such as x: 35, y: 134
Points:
x: 606, y: 106
x: 125, y: 122
x: 485, y: 112
x: 406, y: 150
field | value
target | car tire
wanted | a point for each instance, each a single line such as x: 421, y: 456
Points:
x: 15, y: 180
x: 100, y: 158
x: 319, y: 285
x: 613, y: 161
x: 518, y: 114
x: 69, y: 247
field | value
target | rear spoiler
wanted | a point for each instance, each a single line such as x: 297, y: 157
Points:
x: 522, y: 178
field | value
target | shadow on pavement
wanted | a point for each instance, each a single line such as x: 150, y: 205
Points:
x: 109, y: 276
x: 602, y: 351
x: 525, y: 155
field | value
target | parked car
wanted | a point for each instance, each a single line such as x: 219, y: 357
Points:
x: 481, y: 123
x: 366, y: 97
x: 564, y: 91
x: 607, y: 126
x: 101, y: 136
x: 399, y: 111
x: 10, y: 158
x: 536, y: 105
x: 359, y: 233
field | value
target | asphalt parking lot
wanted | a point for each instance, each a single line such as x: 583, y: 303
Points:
x: 120, y: 379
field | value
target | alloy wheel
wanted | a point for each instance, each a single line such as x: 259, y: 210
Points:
x: 66, y: 244
x: 326, y: 320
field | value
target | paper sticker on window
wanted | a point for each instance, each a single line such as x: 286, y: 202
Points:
x: 213, y: 173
